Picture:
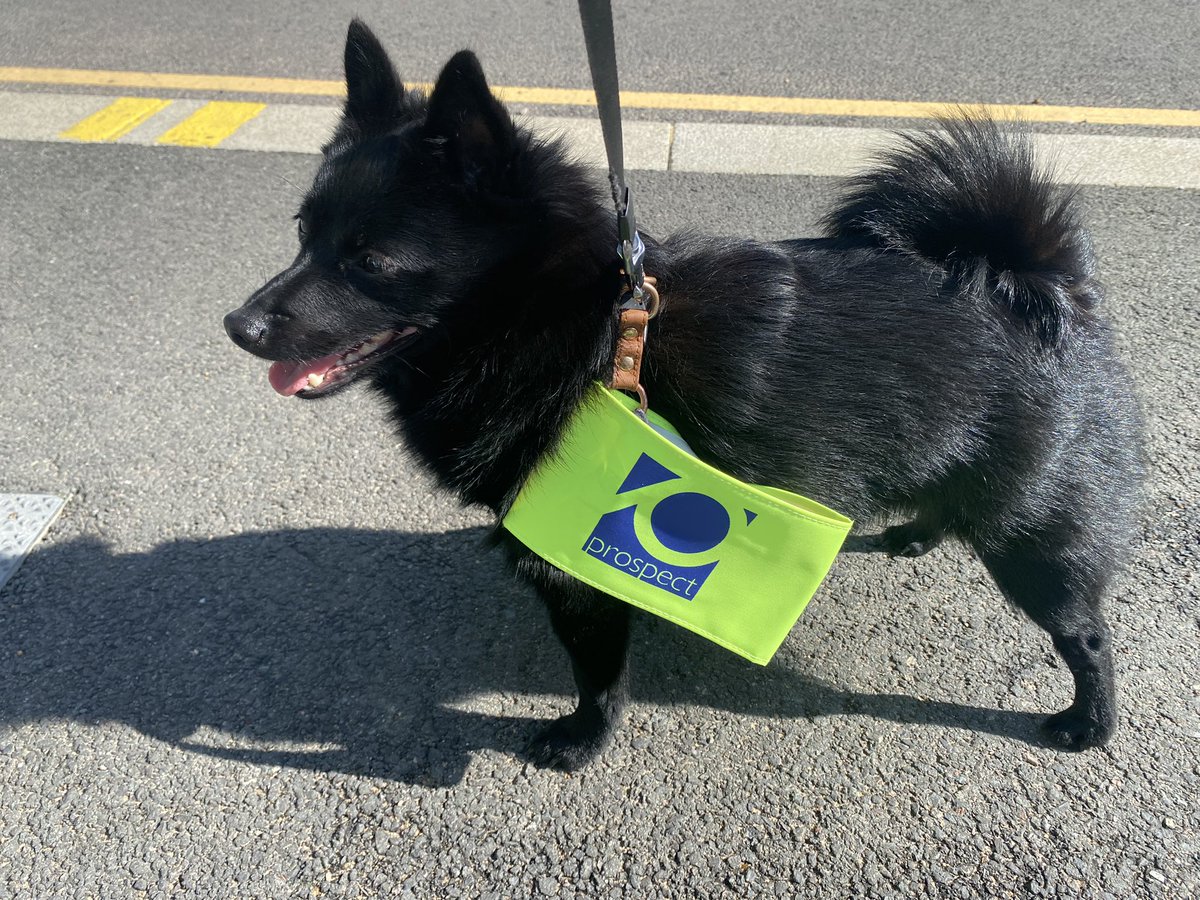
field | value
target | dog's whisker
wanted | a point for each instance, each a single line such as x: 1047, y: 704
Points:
x: 297, y: 191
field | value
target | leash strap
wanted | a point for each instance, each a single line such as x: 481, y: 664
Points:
x: 640, y: 300
x: 596, y: 18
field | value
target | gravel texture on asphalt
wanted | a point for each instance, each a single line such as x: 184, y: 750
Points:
x: 258, y: 657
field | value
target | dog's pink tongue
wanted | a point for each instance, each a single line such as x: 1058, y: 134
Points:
x: 290, y: 378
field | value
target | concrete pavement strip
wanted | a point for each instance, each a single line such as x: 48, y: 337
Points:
x: 744, y: 149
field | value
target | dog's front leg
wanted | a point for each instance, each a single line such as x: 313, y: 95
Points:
x: 595, y: 630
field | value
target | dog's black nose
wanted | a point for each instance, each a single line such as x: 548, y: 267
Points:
x: 246, y: 328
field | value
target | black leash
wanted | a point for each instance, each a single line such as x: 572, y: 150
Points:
x: 596, y: 17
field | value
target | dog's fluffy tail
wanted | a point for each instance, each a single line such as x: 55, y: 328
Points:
x: 969, y: 198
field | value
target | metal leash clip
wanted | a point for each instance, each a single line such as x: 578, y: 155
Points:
x: 639, y: 304
x: 640, y: 291
x: 631, y: 251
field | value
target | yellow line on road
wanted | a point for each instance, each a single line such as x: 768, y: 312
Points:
x: 118, y: 118
x: 170, y: 81
x: 211, y: 124
x: 799, y: 106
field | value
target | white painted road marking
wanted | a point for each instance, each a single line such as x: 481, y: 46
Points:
x: 743, y: 149
x: 24, y: 518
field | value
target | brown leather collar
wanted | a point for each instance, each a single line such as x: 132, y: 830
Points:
x: 631, y: 341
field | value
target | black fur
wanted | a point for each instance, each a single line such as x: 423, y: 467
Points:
x: 938, y: 354
x: 972, y: 200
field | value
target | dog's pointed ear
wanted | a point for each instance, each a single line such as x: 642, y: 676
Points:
x: 472, y: 127
x: 375, y: 98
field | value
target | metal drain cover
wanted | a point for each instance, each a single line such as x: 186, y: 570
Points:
x: 24, y: 518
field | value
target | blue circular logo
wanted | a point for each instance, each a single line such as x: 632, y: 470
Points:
x: 689, y: 522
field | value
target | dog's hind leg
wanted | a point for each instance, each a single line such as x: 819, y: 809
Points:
x: 911, y: 539
x: 1061, y: 593
x: 595, y: 630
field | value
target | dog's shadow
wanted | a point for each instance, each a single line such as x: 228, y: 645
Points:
x: 347, y: 650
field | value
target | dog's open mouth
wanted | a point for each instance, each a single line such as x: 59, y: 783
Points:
x: 320, y: 376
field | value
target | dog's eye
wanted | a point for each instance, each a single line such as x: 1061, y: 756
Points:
x: 300, y: 230
x: 371, y: 264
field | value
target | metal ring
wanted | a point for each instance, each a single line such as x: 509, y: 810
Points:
x: 655, y: 302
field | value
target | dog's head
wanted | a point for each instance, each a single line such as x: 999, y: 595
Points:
x: 413, y: 200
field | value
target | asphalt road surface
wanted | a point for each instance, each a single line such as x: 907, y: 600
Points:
x: 1107, y: 52
x: 259, y: 657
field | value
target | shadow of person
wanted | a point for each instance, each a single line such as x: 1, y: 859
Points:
x: 346, y: 650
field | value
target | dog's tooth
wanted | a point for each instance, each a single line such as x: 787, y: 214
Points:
x: 315, y: 380
x: 366, y: 349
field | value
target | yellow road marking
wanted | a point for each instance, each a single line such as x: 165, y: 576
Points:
x: 799, y: 106
x: 118, y: 118
x: 233, y: 83
x: 211, y: 124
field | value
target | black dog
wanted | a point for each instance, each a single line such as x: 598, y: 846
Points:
x: 938, y: 354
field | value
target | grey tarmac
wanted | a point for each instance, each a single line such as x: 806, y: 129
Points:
x: 258, y: 657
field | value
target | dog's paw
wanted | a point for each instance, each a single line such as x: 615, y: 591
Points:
x: 569, y: 743
x: 908, y: 540
x: 1074, y: 730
